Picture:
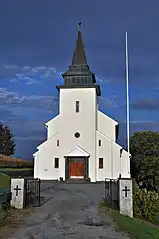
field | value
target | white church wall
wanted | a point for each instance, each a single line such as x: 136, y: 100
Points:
x: 114, y: 162
x: 103, y: 151
x: 53, y: 126
x: 36, y: 168
x: 48, y: 151
x: 83, y: 122
x: 106, y: 125
x: 70, y: 122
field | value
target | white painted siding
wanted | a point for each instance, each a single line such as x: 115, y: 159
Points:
x: 106, y: 125
x: 113, y: 164
x: 70, y: 122
x: 86, y: 122
x: 46, y: 155
x: 53, y: 126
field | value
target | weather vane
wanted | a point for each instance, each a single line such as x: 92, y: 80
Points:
x: 79, y: 25
x: 80, y: 20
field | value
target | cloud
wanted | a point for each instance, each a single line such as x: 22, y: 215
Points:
x: 137, y: 122
x: 146, y: 104
x: 102, y: 80
x: 27, y: 74
x: 12, y: 99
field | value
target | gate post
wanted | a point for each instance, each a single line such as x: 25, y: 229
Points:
x: 18, y: 194
x: 126, y: 196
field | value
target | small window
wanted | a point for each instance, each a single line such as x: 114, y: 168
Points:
x: 77, y: 134
x: 58, y: 143
x: 100, y: 143
x: 77, y: 106
x: 100, y: 162
x: 56, y: 162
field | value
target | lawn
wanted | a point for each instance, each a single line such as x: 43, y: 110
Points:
x: 137, y: 228
x: 4, y: 181
x: 15, y: 169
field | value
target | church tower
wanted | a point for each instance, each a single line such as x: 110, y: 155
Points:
x: 78, y: 104
x: 78, y: 74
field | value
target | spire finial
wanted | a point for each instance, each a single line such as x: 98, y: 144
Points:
x: 79, y: 26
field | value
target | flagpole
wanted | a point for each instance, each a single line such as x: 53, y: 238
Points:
x: 127, y: 99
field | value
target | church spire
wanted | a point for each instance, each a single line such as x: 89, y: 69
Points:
x: 79, y: 74
x: 79, y: 55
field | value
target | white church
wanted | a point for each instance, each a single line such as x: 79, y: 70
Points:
x: 81, y: 140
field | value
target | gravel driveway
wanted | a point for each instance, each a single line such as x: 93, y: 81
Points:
x: 71, y: 212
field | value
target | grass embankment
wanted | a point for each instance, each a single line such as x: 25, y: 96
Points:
x: 15, y: 169
x: 4, y: 184
x: 138, y: 229
x: 4, y: 181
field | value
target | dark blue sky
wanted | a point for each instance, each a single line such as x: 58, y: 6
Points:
x: 37, y: 39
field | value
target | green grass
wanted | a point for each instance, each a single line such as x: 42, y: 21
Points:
x: 15, y: 169
x: 156, y: 219
x: 137, y: 228
x: 4, y: 181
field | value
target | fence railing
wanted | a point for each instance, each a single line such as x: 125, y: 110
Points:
x: 111, y: 188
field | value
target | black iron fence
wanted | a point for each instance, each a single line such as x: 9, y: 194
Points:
x: 32, y: 192
x: 111, y: 188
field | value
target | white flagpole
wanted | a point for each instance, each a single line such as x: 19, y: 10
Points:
x: 127, y: 99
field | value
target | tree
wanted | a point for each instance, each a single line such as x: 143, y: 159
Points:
x: 144, y: 148
x: 7, y: 141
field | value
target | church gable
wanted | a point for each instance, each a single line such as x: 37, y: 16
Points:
x: 101, y: 114
x: 53, y: 126
x: 78, y: 152
x: 107, y: 126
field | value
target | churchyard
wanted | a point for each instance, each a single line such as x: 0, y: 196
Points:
x: 128, y: 209
x: 73, y: 209
x: 87, y: 209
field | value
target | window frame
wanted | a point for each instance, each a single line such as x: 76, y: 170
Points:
x: 100, y: 164
x: 77, y: 106
x: 56, y: 163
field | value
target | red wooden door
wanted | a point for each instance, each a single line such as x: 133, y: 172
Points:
x: 79, y: 168
x: 72, y: 168
x: 76, y: 168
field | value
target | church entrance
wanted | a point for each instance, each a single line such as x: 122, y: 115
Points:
x: 76, y: 167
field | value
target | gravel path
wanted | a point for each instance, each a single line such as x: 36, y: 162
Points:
x: 71, y: 212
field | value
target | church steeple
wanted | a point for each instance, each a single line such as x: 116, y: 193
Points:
x: 79, y: 55
x: 79, y: 74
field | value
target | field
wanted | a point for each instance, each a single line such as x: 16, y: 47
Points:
x: 15, y: 169
x: 18, y: 172
x: 11, y: 162
x: 4, y: 181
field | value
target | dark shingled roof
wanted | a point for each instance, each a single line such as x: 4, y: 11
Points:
x: 79, y: 73
x: 79, y: 55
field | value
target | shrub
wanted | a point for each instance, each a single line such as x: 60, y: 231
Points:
x: 146, y: 204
